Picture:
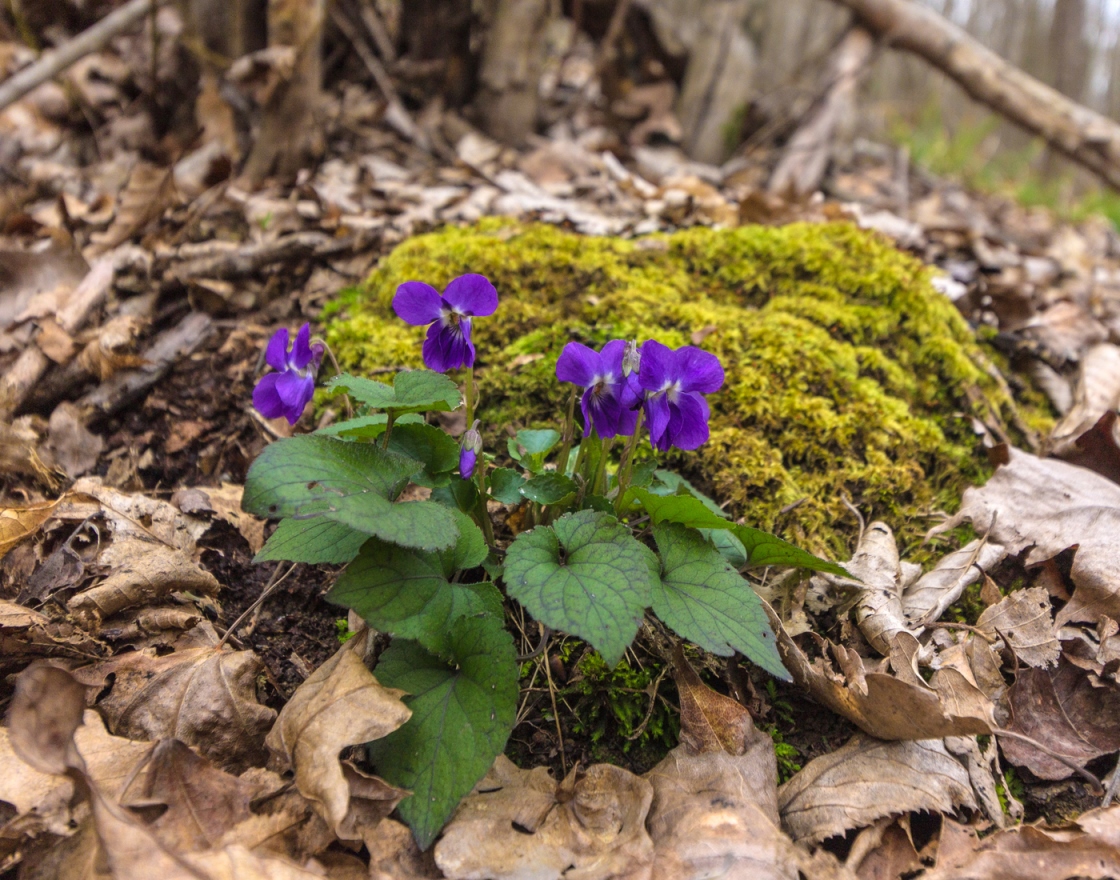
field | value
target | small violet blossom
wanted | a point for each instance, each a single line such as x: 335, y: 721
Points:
x: 468, y: 452
x: 674, y: 382
x: 287, y: 391
x: 610, y: 403
x: 448, y: 346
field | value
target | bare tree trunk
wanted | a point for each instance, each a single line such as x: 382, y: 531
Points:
x: 805, y: 159
x: 511, y: 69
x: 290, y: 133
x: 1077, y: 132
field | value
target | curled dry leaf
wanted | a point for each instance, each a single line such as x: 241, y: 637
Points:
x: 867, y: 779
x: 892, y: 707
x: 715, y: 807
x: 1097, y: 391
x: 340, y: 704
x: 926, y: 599
x: 1024, y: 621
x: 1066, y: 710
x: 17, y: 523
x: 1088, y: 847
x: 225, y: 502
x: 202, y: 802
x: 521, y: 825
x: 1049, y: 506
x: 204, y: 696
x: 45, y: 714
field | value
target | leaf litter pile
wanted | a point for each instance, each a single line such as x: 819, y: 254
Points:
x: 175, y: 711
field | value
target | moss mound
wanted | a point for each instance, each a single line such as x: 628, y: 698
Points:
x: 846, y: 371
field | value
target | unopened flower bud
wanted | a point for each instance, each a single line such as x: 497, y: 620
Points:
x: 631, y: 358
x: 468, y: 452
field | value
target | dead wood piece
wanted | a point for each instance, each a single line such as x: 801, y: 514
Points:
x: 51, y: 64
x: 220, y: 260
x: 395, y: 114
x: 21, y: 378
x: 1081, y: 134
x: 803, y: 164
x: 168, y: 348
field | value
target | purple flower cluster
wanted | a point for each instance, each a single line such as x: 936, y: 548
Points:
x: 668, y: 384
x: 288, y: 391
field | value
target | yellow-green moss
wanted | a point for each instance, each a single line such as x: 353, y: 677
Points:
x: 846, y: 371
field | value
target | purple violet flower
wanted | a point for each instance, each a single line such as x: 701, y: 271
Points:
x: 287, y: 391
x: 610, y: 403
x: 448, y: 346
x: 468, y: 452
x: 674, y: 382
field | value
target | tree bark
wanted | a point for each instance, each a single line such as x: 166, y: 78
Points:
x: 1081, y: 134
x: 805, y: 158
x: 511, y: 69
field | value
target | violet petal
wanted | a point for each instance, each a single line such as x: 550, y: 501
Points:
x: 265, y: 399
x: 417, y: 303
x: 276, y: 355
x: 698, y: 370
x: 688, y: 423
x: 578, y: 364
x: 301, y: 349
x: 472, y: 295
x: 656, y: 369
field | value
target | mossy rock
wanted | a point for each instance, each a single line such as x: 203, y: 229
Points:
x: 846, y: 371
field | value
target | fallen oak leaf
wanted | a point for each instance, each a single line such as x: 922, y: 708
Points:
x: 204, y: 696
x: 521, y: 825
x: 867, y: 779
x: 1023, y: 619
x: 340, y: 704
x: 884, y: 706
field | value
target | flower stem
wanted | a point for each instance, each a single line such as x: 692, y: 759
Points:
x: 482, y: 514
x: 469, y: 395
x: 569, y: 434
x: 390, y: 417
x: 626, y: 465
x: 599, y: 481
x: 338, y: 372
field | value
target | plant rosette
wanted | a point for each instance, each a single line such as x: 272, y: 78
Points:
x: 605, y: 539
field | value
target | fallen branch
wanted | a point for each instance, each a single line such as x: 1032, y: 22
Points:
x: 223, y: 260
x: 52, y: 63
x: 1081, y: 134
x: 164, y: 352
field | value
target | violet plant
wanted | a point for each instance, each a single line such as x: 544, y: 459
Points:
x: 607, y: 539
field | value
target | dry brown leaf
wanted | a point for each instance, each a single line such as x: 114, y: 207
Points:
x: 715, y: 807
x: 27, y: 274
x: 1065, y: 710
x: 149, y: 191
x: 71, y: 445
x: 1087, y: 848
x: 710, y: 722
x: 106, y: 350
x: 340, y: 704
x: 394, y: 855
x: 1097, y: 391
x: 885, y: 850
x: 1024, y: 621
x: 141, y: 571
x: 892, y: 707
x: 226, y: 503
x: 19, y: 451
x: 1049, y: 506
x: 878, y: 569
x: 46, y: 712
x: 867, y: 779
x: 926, y: 599
x: 202, y: 802
x: 55, y: 342
x: 17, y: 523
x: 520, y: 825
x: 204, y: 696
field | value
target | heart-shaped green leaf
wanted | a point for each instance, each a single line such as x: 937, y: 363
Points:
x: 702, y: 598
x: 367, y: 427
x: 462, y: 712
x: 548, y: 488
x: 761, y: 548
x: 585, y: 575
x: 438, y: 452
x: 408, y: 593
x: 351, y: 483
x: 314, y: 541
x: 505, y: 485
x: 411, y: 391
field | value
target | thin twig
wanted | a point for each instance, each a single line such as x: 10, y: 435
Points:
x: 51, y: 64
x: 546, y: 634
x: 859, y: 516
x: 555, y: 713
x: 273, y: 582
